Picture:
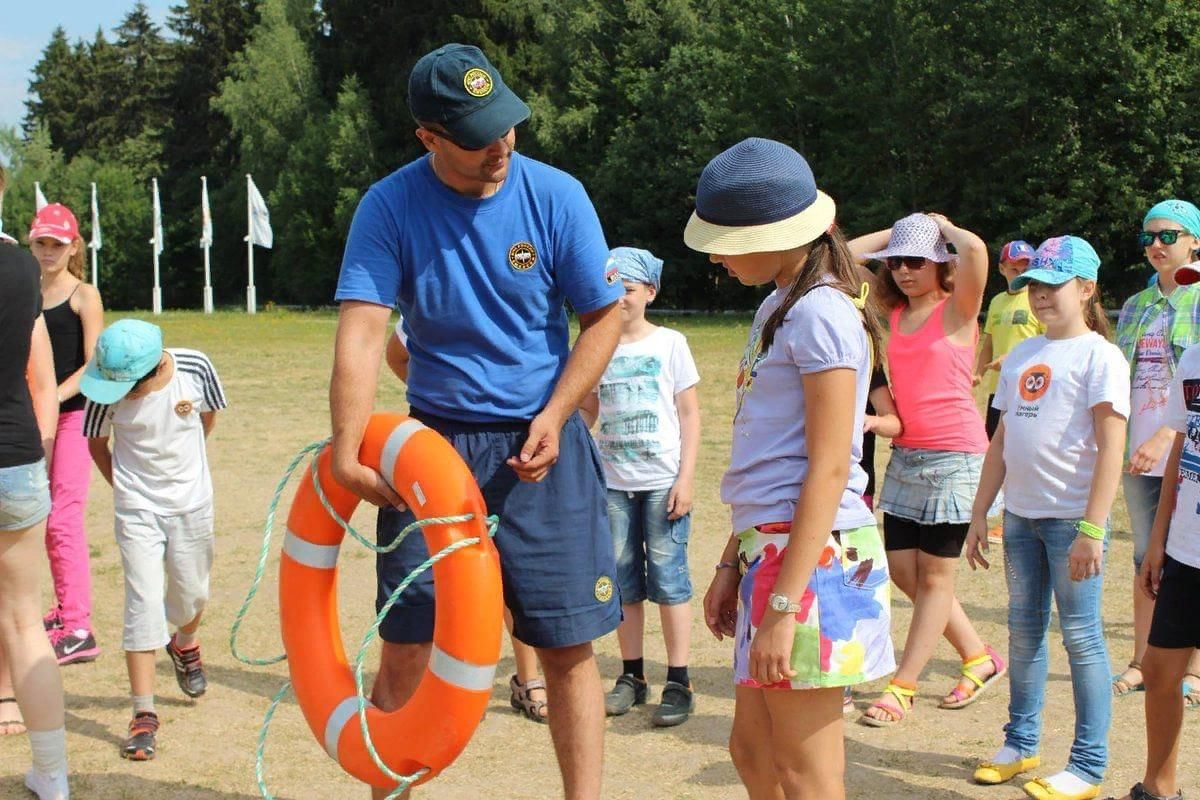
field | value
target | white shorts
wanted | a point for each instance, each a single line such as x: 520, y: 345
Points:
x: 167, y: 561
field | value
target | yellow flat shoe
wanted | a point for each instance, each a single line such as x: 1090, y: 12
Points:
x: 1039, y: 789
x: 990, y: 774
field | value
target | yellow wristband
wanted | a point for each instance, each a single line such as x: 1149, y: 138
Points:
x: 1091, y: 531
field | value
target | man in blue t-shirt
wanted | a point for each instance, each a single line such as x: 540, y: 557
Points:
x: 481, y: 248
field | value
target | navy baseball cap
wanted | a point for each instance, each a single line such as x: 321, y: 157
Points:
x: 455, y: 86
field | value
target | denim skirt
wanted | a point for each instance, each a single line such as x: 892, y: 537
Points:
x: 931, y: 487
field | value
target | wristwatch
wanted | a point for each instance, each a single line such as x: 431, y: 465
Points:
x: 783, y: 604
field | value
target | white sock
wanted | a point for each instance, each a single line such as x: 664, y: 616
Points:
x: 49, y: 751
x: 1067, y: 783
x: 143, y: 703
x: 186, y: 641
x: 1006, y: 755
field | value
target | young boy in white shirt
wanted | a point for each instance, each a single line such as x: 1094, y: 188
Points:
x: 158, y: 406
x: 649, y: 434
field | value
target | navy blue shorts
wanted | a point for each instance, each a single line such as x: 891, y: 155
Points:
x: 556, y: 552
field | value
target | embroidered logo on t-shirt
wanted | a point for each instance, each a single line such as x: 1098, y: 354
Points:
x: 1035, y: 382
x: 477, y: 82
x: 183, y: 408
x: 522, y: 256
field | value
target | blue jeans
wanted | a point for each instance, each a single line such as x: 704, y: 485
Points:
x: 1141, y: 499
x: 651, y: 550
x: 1035, y: 557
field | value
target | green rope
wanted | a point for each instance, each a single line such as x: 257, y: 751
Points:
x: 404, y: 782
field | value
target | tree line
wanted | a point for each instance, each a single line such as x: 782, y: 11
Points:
x: 1016, y: 118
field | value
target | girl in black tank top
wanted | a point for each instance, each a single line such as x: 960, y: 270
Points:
x: 66, y: 338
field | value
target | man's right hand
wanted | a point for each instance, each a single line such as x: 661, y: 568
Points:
x: 366, y: 483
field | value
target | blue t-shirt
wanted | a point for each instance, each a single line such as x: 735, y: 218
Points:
x: 481, y: 283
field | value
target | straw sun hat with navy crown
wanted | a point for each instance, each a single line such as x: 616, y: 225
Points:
x: 758, y: 196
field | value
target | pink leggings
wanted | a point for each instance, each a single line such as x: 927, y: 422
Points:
x: 66, y: 540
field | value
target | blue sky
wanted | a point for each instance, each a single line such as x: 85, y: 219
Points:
x: 26, y: 31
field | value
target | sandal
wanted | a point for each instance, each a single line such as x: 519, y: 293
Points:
x: 960, y: 697
x: 11, y: 727
x: 1191, y: 691
x: 1122, y: 686
x: 520, y: 700
x: 1140, y: 792
x: 904, y: 699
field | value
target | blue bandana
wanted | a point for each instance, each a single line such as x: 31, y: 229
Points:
x: 1180, y: 211
x: 639, y: 266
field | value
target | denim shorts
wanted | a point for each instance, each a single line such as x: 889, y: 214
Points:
x: 651, y: 550
x: 556, y: 554
x: 24, y: 496
x: 1141, y: 500
x: 930, y: 486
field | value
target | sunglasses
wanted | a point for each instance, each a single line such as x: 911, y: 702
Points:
x: 912, y: 262
x: 1168, y: 237
x: 446, y: 136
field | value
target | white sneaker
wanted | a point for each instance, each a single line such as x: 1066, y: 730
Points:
x: 47, y: 787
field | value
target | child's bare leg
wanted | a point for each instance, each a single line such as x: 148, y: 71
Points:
x: 632, y: 631
x: 140, y: 664
x: 1164, y: 670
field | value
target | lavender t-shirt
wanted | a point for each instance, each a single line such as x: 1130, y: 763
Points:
x: 822, y: 331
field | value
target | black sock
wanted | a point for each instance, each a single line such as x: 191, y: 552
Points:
x: 679, y: 675
x: 634, y: 667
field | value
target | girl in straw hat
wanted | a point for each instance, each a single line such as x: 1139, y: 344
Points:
x: 934, y: 300
x: 802, y: 585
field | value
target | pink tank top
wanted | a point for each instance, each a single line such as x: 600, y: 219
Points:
x: 931, y: 380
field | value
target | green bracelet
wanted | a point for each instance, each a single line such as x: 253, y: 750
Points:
x: 1091, y: 531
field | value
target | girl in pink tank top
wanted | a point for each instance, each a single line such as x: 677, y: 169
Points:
x: 933, y: 299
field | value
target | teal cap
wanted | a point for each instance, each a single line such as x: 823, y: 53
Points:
x: 1181, y: 211
x: 457, y: 87
x: 125, y: 353
x: 1058, y: 260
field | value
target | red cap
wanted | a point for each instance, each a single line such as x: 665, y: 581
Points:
x: 1188, y: 274
x: 56, y: 222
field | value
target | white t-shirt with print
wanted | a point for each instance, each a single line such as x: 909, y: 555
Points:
x: 1047, y: 390
x: 159, y: 460
x: 1151, y: 382
x: 638, y: 424
x: 1183, y: 415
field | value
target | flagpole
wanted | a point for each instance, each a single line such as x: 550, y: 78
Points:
x: 157, y: 294
x: 92, y: 244
x: 206, y: 244
x: 251, y: 298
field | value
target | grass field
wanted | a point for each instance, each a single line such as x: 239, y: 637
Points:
x: 275, y: 368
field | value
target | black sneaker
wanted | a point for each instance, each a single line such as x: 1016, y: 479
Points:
x: 53, y: 619
x: 628, y: 692
x: 143, y: 733
x: 678, y: 702
x: 73, y: 647
x: 189, y: 669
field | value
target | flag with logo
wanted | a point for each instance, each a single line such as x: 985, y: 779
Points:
x: 39, y: 199
x: 206, y: 233
x: 95, y: 243
x: 260, y: 217
x: 157, y: 241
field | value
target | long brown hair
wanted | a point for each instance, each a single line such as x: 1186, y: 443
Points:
x: 1094, y: 316
x: 889, y: 295
x: 829, y: 262
x: 75, y: 264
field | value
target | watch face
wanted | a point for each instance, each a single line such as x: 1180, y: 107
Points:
x: 779, y: 602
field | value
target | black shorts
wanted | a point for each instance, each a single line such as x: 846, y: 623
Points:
x: 943, y: 539
x: 556, y: 550
x: 1176, y: 625
x: 992, y: 421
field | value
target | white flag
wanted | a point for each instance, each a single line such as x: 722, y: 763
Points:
x: 95, y: 244
x: 39, y: 199
x: 206, y: 237
x: 260, y: 218
x: 157, y: 241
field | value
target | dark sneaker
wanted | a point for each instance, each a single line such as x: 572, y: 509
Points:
x: 143, y: 734
x: 189, y: 669
x: 628, y: 692
x: 53, y: 619
x: 73, y: 647
x: 678, y: 702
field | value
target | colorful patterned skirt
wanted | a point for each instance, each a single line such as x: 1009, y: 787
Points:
x: 843, y: 628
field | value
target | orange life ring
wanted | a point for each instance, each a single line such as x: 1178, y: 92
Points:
x: 435, y: 724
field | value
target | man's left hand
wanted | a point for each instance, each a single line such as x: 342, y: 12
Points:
x: 541, y: 448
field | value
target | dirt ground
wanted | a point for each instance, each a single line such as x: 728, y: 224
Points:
x: 275, y: 369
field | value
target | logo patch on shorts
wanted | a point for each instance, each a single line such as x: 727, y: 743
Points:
x: 183, y: 407
x: 1034, y: 382
x: 477, y: 82
x: 522, y: 256
x: 604, y: 588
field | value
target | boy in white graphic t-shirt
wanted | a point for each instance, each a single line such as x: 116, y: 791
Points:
x: 649, y: 433
x: 158, y: 406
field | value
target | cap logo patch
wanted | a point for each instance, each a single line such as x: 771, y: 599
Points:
x: 477, y: 82
x: 522, y: 256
